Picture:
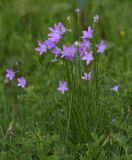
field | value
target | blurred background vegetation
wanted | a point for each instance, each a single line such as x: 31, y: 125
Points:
x: 22, y: 23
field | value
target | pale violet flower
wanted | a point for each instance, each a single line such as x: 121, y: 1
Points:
x: 88, y: 34
x: 86, y: 76
x: 88, y: 57
x: 49, y: 44
x: 115, y: 88
x: 42, y: 47
x: 10, y: 74
x: 69, y: 52
x: 101, y: 47
x: 56, y: 51
x: 62, y: 87
x: 96, y: 18
x: 62, y: 28
x: 21, y: 82
x: 84, y: 47
x: 56, y: 32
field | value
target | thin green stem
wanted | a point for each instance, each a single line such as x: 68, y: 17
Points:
x: 96, y: 59
x: 79, y: 62
x: 69, y: 118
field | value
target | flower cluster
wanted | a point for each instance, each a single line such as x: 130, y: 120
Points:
x: 70, y: 52
x: 10, y: 74
x: 54, y: 36
x: 85, y: 49
x: 56, y: 33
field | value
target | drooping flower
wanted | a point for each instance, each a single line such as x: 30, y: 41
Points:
x: 62, y: 87
x: 96, y: 18
x: 88, y: 57
x: 49, y: 44
x: 101, y: 47
x: 21, y: 82
x: 115, y: 88
x: 87, y: 34
x: 56, y: 51
x: 42, y: 47
x: 69, y: 52
x: 84, y: 46
x: 86, y: 76
x: 10, y: 74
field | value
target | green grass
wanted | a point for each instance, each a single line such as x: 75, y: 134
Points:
x: 34, y: 121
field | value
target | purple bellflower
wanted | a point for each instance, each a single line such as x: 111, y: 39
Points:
x: 96, y: 18
x: 101, y: 47
x: 56, y: 33
x: 87, y: 34
x: 62, y: 87
x: 10, y: 74
x: 87, y: 76
x: 42, y: 47
x: 56, y: 51
x: 84, y: 46
x: 69, y: 52
x: 115, y: 88
x: 49, y: 44
x: 21, y: 82
x: 88, y: 57
x: 62, y: 28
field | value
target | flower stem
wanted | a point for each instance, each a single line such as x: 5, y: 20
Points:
x: 79, y: 61
x: 96, y: 59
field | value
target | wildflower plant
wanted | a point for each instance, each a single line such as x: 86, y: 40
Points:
x: 71, y: 97
x: 78, y: 85
x: 79, y: 64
